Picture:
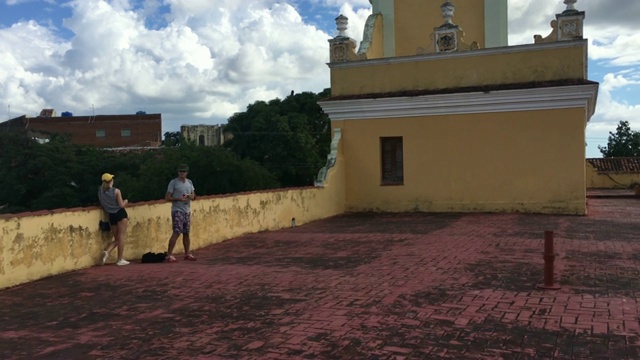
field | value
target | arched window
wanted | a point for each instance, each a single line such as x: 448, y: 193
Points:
x: 201, y: 140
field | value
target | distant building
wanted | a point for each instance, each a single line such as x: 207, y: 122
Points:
x: 206, y: 135
x: 138, y: 129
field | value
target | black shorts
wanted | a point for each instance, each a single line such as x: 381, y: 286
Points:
x: 115, y: 218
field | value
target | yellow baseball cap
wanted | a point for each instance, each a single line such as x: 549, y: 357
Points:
x: 106, y: 177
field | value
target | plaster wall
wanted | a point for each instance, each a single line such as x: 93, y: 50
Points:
x: 416, y: 19
x: 45, y: 243
x: 610, y: 180
x: 529, y: 161
x: 375, y: 41
x: 484, y: 67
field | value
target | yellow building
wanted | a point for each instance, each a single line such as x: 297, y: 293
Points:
x: 436, y: 114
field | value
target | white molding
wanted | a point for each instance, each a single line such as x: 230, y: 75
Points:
x: 561, y: 97
x: 459, y: 54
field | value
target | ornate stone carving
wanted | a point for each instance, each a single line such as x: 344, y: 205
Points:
x: 447, y: 12
x: 448, y: 36
x: 331, y: 158
x: 342, y: 23
x: 567, y: 26
x: 570, y: 26
x: 552, y: 37
x: 343, y: 48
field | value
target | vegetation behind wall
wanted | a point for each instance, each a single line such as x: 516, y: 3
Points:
x: 57, y: 174
x: 280, y: 143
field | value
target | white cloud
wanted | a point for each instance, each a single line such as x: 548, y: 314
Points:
x: 206, y: 64
x: 200, y: 61
x: 351, y: 4
x: 357, y: 19
x: 618, y: 47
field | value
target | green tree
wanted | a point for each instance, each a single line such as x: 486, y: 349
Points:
x: 623, y: 143
x: 59, y: 174
x: 173, y: 138
x: 289, y: 137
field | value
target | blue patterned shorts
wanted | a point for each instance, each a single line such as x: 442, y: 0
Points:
x: 181, y: 222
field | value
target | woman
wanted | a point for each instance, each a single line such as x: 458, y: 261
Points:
x: 112, y: 203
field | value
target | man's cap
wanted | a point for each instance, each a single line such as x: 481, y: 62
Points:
x: 106, y: 177
x: 183, y: 167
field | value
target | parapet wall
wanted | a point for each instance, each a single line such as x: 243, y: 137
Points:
x: 45, y: 243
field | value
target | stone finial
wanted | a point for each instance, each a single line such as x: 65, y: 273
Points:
x: 568, y: 25
x: 343, y: 48
x: 570, y: 6
x: 342, y: 23
x: 448, y: 36
x: 447, y: 12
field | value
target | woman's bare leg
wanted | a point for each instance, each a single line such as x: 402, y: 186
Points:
x: 112, y: 245
x: 122, y: 233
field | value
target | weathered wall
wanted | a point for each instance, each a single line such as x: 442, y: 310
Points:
x: 508, y: 161
x: 45, y: 243
x: 484, y: 67
x: 212, y: 134
x: 415, y: 20
x: 610, y: 180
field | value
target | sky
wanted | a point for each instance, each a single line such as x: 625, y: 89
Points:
x: 201, y: 61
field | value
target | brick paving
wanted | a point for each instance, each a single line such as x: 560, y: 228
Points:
x: 355, y: 286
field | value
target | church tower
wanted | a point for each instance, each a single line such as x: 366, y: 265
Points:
x: 433, y: 111
x: 409, y: 24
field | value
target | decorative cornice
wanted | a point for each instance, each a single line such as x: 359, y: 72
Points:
x: 560, y: 97
x: 462, y: 54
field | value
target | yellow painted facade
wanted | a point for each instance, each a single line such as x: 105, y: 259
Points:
x: 452, y: 163
x: 33, y: 247
x: 420, y: 17
x: 495, y: 129
x: 610, y: 180
x: 484, y: 67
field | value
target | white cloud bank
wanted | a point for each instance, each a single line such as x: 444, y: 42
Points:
x: 197, y: 61
x: 205, y: 64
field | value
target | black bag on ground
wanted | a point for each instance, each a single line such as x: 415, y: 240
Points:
x: 153, y: 257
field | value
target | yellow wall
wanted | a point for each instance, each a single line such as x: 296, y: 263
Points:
x: 36, y: 245
x: 518, y: 64
x: 416, y: 19
x: 511, y: 161
x: 610, y: 180
x: 376, y: 45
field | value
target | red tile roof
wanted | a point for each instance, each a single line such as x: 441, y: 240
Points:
x: 616, y: 164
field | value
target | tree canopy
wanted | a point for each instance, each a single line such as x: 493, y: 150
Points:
x: 280, y: 143
x: 59, y: 174
x: 289, y: 137
x: 623, y: 143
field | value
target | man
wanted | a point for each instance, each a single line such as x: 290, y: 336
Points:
x: 180, y: 192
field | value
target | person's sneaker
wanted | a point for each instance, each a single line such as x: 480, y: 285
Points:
x: 122, y: 262
x: 171, y: 259
x: 190, y: 257
x: 105, y: 256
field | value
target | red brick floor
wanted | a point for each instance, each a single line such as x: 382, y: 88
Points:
x: 356, y: 286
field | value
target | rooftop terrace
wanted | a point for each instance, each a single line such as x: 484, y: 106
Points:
x: 355, y: 286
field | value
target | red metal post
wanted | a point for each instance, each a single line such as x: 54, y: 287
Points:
x: 549, y: 258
